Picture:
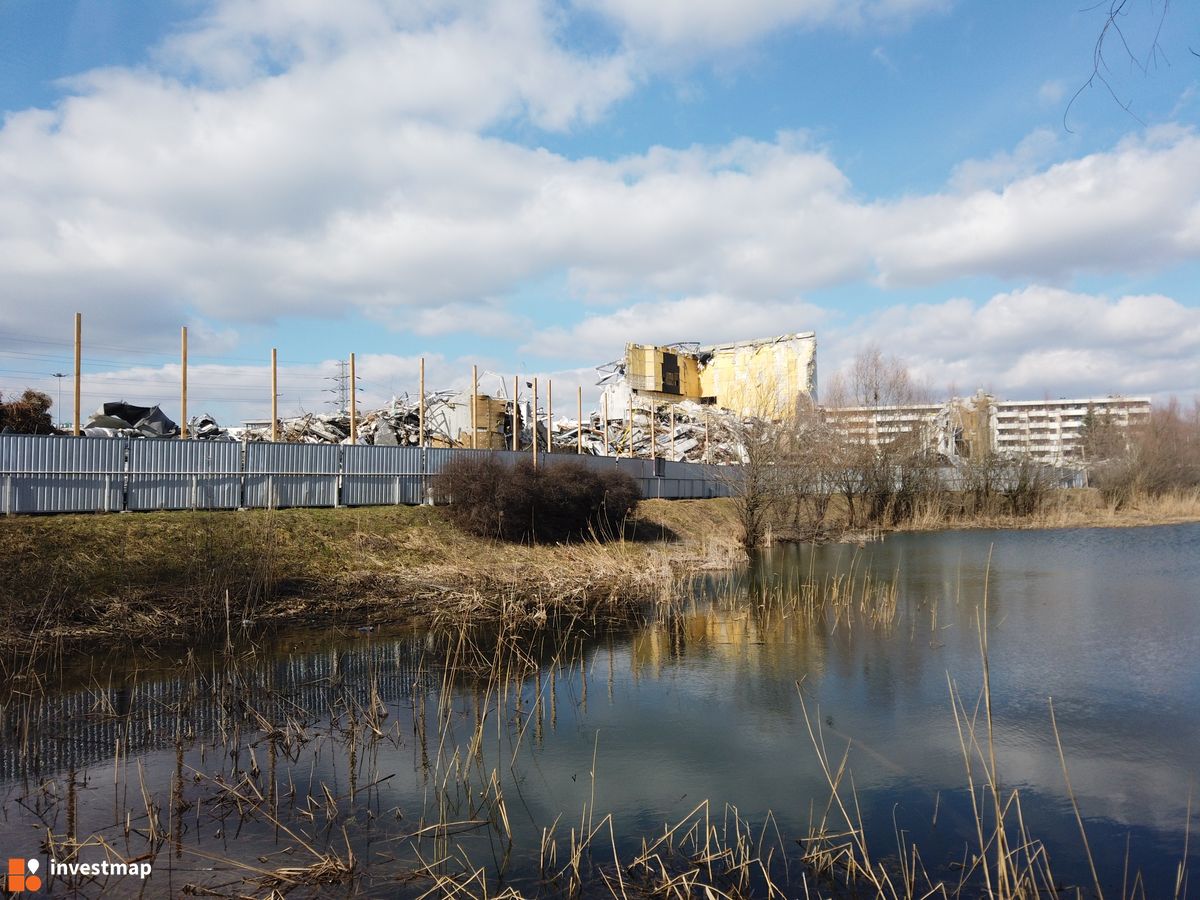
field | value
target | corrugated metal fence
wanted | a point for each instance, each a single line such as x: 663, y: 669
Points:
x: 47, y: 474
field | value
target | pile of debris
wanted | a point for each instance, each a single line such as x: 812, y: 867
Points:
x: 692, y: 433
x: 447, y: 424
x: 120, y: 419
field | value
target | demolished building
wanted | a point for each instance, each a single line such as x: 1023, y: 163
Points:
x: 764, y: 377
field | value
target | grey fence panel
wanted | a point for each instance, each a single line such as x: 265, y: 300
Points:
x: 437, y: 457
x: 184, y: 475
x: 598, y: 463
x: 381, y: 476
x: 697, y: 481
x: 637, y: 468
x: 658, y: 478
x: 670, y: 469
x: 509, y: 457
x: 280, y: 475
x: 642, y: 471
x: 50, y: 474
x: 46, y: 474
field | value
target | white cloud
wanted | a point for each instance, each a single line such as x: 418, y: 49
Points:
x: 295, y: 195
x: 1051, y: 93
x: 292, y: 161
x: 1129, y: 209
x: 707, y: 319
x: 1031, y: 154
x: 1038, y: 341
x: 881, y: 56
x: 462, y: 64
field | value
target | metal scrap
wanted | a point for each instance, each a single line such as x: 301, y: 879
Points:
x: 121, y: 419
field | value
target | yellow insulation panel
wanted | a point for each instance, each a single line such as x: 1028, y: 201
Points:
x: 760, y: 378
x: 651, y: 368
x: 756, y: 377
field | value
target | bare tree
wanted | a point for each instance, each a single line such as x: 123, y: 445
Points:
x: 888, y: 465
x: 1142, y: 49
x: 812, y: 454
x: 1163, y: 455
x: 756, y: 486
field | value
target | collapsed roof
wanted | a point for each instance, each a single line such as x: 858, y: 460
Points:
x: 119, y: 419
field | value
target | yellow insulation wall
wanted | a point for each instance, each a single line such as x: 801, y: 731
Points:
x: 755, y: 377
x: 644, y: 370
x: 761, y: 378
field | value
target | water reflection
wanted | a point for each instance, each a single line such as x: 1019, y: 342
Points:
x: 702, y: 700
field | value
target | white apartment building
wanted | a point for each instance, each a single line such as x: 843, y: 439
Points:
x: 1053, y: 429
x: 1048, y: 430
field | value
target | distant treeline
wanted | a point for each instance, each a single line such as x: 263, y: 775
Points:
x: 804, y: 477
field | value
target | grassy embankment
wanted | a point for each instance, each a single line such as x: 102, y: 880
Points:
x: 1074, y: 508
x: 161, y: 578
x: 184, y: 576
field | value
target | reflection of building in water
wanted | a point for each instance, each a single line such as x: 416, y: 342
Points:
x: 781, y: 642
x: 80, y: 728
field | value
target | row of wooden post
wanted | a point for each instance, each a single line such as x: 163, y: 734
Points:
x: 183, y: 400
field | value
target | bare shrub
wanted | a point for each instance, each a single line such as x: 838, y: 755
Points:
x: 29, y: 414
x: 472, y: 486
x: 1162, y: 456
x: 559, y: 502
x: 981, y: 482
x: 1024, y: 483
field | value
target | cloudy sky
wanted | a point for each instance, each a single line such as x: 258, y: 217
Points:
x: 528, y: 185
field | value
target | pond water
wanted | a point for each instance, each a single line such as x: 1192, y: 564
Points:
x: 403, y: 762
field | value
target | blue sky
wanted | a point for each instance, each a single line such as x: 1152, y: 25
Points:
x: 526, y: 186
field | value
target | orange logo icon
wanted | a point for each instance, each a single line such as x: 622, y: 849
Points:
x: 22, y: 876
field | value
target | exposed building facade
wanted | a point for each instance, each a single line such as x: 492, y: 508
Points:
x: 761, y: 377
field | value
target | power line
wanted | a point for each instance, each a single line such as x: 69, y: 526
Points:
x: 168, y: 355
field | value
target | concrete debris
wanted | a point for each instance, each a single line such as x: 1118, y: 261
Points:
x: 205, y: 428
x: 701, y: 432
x: 447, y: 424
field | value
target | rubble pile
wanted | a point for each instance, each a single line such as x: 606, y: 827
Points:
x: 120, y: 419
x: 696, y: 434
x: 701, y: 434
x: 398, y: 424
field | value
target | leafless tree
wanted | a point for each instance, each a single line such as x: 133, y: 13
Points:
x: 884, y: 474
x: 1135, y: 29
x: 757, y: 485
x: 1163, y: 455
x: 813, y: 453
